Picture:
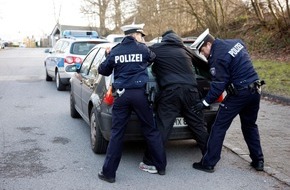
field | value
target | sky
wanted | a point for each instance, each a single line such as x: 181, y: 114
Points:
x: 27, y: 18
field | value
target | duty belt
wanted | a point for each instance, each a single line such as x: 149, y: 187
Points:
x: 255, y: 86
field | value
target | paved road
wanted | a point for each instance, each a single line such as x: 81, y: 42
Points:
x: 41, y: 147
x: 274, y: 126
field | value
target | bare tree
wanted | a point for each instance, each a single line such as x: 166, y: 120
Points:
x: 274, y: 13
x: 162, y: 15
x: 288, y: 9
x: 188, y: 17
x: 215, y: 14
x: 258, y: 10
x: 97, y: 9
x: 55, y: 13
x: 118, y: 13
x: 283, y: 14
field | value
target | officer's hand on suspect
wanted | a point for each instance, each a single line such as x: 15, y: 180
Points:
x: 108, y: 50
x: 199, y: 107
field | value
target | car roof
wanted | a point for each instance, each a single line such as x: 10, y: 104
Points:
x: 189, y: 38
x: 108, y: 44
x: 113, y: 37
x: 112, y: 44
x: 80, y: 34
x: 85, y: 39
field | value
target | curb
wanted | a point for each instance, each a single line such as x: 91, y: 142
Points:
x: 275, y: 98
x: 271, y: 171
x: 245, y: 156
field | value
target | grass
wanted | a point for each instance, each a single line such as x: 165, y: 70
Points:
x: 276, y: 76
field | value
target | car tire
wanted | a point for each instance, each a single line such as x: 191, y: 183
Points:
x: 209, y: 125
x: 47, y: 78
x: 59, y: 86
x: 98, y: 143
x: 73, y: 112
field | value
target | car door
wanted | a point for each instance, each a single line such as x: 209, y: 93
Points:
x: 62, y: 53
x: 52, y: 59
x: 90, y: 80
x: 77, y: 80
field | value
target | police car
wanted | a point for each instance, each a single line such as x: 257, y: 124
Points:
x: 91, y: 98
x: 115, y: 37
x: 69, y: 50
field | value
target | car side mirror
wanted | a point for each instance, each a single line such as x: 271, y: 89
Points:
x: 47, y: 50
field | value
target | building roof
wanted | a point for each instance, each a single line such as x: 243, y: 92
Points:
x: 59, y: 28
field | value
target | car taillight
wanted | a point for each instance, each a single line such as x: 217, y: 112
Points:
x: 108, y: 98
x: 72, y: 59
x: 221, y: 97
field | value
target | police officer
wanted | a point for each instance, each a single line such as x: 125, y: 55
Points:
x: 232, y: 70
x: 173, y: 68
x: 129, y: 61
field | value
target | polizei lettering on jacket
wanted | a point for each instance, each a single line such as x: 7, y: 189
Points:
x: 236, y: 49
x: 128, y: 58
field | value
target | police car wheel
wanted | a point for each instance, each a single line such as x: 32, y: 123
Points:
x: 98, y: 142
x: 47, y: 78
x: 59, y: 85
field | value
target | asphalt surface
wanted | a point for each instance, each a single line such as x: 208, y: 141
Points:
x: 274, y: 128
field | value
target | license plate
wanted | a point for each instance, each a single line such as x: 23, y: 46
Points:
x: 179, y: 122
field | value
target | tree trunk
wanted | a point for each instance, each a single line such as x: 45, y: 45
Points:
x: 118, y: 14
x: 258, y: 11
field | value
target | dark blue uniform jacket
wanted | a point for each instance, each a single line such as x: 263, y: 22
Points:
x: 229, y: 62
x: 129, y: 61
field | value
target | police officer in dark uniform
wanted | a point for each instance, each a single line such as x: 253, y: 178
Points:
x: 231, y: 70
x: 175, y: 75
x: 129, y: 61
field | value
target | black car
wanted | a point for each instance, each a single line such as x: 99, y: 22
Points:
x: 91, y: 98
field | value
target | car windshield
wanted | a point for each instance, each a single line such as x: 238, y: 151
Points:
x: 82, y: 48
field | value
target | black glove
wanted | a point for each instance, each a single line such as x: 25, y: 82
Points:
x: 199, y: 107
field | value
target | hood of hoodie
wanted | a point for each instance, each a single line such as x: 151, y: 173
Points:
x: 172, y: 37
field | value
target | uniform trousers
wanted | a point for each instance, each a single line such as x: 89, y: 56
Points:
x: 246, y: 104
x: 178, y: 100
x: 133, y: 100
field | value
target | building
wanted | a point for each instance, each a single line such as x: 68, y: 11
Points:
x: 59, y: 29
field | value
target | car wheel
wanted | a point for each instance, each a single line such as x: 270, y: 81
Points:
x: 98, y: 142
x: 209, y: 125
x: 59, y: 85
x: 47, y: 78
x: 73, y: 112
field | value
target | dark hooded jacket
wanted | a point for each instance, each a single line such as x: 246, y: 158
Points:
x: 173, y: 62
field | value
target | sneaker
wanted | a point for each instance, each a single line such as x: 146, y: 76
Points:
x: 147, y: 168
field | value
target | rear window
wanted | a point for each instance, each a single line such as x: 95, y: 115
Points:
x: 188, y: 41
x: 82, y: 48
